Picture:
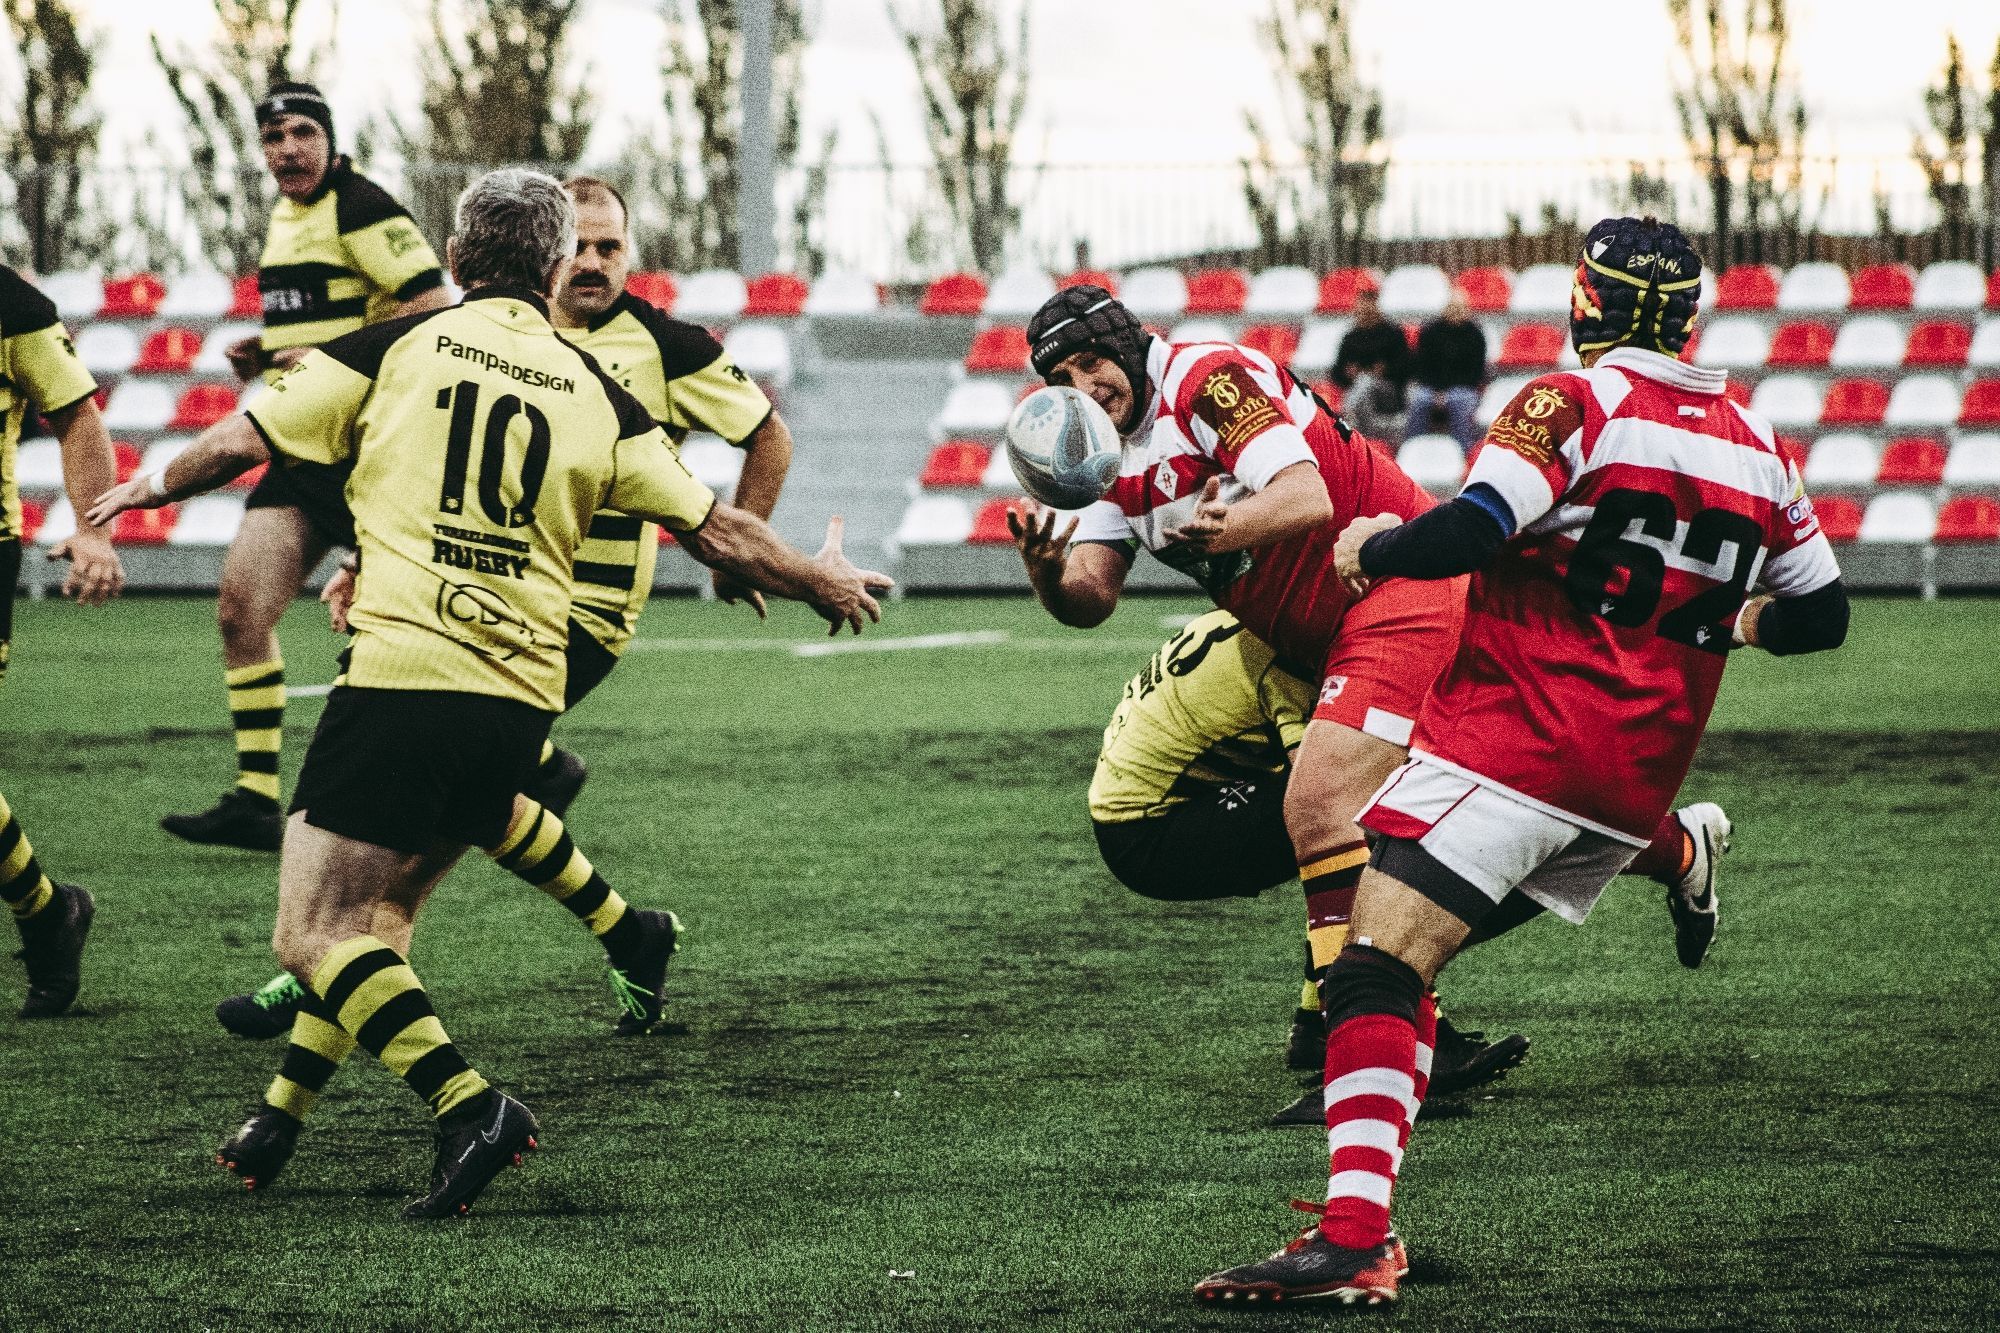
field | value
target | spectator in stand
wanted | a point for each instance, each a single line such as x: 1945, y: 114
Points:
x: 1449, y: 369
x: 1371, y: 368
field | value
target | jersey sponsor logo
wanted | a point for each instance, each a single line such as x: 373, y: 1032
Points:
x: 465, y: 606
x: 1331, y: 689
x: 528, y: 375
x: 1535, y: 422
x: 1544, y: 401
x: 401, y: 237
x: 1233, y: 403
x: 1166, y: 479
x: 450, y: 553
x: 1223, y: 390
x: 1530, y: 439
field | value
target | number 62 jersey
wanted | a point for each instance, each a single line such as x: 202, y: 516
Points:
x: 1647, y: 506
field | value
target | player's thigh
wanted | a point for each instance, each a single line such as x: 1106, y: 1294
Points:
x: 332, y: 887
x: 1229, y: 842
x: 275, y: 548
x: 1333, y: 773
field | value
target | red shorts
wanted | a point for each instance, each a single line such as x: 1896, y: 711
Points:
x: 1392, y: 646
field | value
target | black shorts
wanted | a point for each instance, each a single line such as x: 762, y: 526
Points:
x: 589, y: 663
x: 10, y: 577
x: 1225, y: 843
x: 406, y: 769
x: 317, y: 490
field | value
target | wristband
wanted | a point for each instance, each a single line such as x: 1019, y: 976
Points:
x: 156, y: 485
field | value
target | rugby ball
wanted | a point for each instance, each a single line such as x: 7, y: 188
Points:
x: 1063, y: 447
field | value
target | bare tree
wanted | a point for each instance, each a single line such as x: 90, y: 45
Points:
x: 48, y: 142
x: 1959, y: 154
x: 1324, y: 220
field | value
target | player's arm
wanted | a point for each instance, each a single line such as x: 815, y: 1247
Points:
x: 1235, y: 413
x: 388, y: 249
x: 1292, y: 502
x: 223, y: 452
x: 1077, y: 581
x: 1783, y: 626
x: 767, y: 460
x: 90, y: 468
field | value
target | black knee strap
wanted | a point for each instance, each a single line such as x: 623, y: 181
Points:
x: 1364, y: 980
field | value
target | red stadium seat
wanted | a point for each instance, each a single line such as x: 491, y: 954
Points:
x: 133, y: 297
x: 1531, y: 347
x: 1855, y: 402
x: 1993, y: 290
x: 956, y: 463
x: 171, y: 350
x: 249, y: 302
x: 1883, y: 287
x: 1803, y: 342
x: 32, y: 518
x: 1487, y: 289
x: 1737, y: 392
x: 1982, y: 405
x: 1939, y: 342
x: 1277, y: 341
x: 248, y: 481
x: 1969, y: 518
x: 1000, y: 350
x: 1911, y: 461
x: 127, y: 458
x: 1217, y: 291
x: 1338, y: 288
x: 202, y: 406
x: 1839, y: 517
x: 145, y: 527
x: 775, y: 296
x: 1089, y: 277
x: 989, y: 525
x: 961, y: 294
x: 653, y: 288
x: 1747, y: 287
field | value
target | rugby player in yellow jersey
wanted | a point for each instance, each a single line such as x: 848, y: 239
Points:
x: 482, y: 444
x: 39, y: 371
x: 340, y: 254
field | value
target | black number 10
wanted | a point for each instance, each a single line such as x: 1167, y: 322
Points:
x: 463, y: 403
x: 1604, y: 549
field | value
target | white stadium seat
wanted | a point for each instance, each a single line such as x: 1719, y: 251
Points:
x: 1843, y: 461
x: 211, y: 359
x: 1499, y: 392
x: 202, y: 294
x: 208, y: 520
x: 844, y: 294
x: 1923, y: 400
x: 162, y: 452
x: 999, y: 474
x: 1018, y: 293
x: 1708, y: 286
x: 1985, y: 350
x: 1415, y: 289
x: 1900, y: 516
x: 761, y: 351
x: 1816, y: 286
x: 38, y: 466
x: 1319, y: 344
x: 713, y: 293
x: 1867, y: 341
x: 715, y: 463
x: 1950, y: 284
x: 1542, y: 289
x: 107, y: 349
x: 60, y: 523
x: 1974, y: 462
x: 976, y: 407
x: 139, y: 405
x: 1789, y: 400
x: 1154, y: 293
x: 934, y: 520
x: 78, y: 293
x: 1282, y: 294
x: 1201, y: 331
x: 1734, y: 343
x: 1434, y: 462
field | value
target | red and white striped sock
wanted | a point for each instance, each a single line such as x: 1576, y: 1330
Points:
x: 1371, y: 1098
x: 1427, y: 1037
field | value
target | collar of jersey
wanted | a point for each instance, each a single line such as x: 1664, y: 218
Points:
x: 1665, y: 369
x: 501, y: 292
x: 611, y: 312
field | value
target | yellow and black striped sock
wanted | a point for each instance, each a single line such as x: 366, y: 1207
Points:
x: 1309, y: 988
x: 22, y: 884
x: 1330, y: 878
x: 317, y: 1048
x: 380, y: 1002
x: 257, y: 711
x: 539, y: 850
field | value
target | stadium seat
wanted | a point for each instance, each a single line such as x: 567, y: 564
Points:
x: 1434, y: 462
x: 1500, y: 390
x: 247, y: 301
x: 976, y: 407
x: 1839, y: 517
x: 1018, y: 293
x: 1319, y: 344
x: 168, y: 351
x: 1968, y: 518
x: 248, y: 480
x: 1217, y: 291
x: 1984, y: 354
x: 1487, y: 288
x: 145, y: 527
x: 107, y: 349
x: 58, y: 522
x: 1911, y: 460
x: 202, y: 406
x: 38, y: 466
x: 934, y: 520
x: 1280, y: 342
x: 1338, y: 289
x: 208, y: 520
x: 1788, y: 400
x: 32, y: 516
x: 654, y: 288
x: 1950, y: 284
x: 775, y: 296
x: 1898, y: 517
x: 999, y: 473
x: 1155, y: 293
x: 125, y: 457
x: 715, y: 293
x: 1542, y: 290
x: 1792, y: 450
x: 843, y: 294
x: 135, y: 296
x: 761, y: 351
x: 201, y: 294
x: 1088, y: 277
x: 1883, y: 287
x: 1943, y: 343
x: 1866, y: 343
x: 78, y: 294
x: 1973, y: 464
x: 213, y: 358
x: 1732, y: 343
x: 1921, y: 401
x: 1743, y: 287
x: 1000, y: 350
x: 162, y: 452
x: 989, y: 525
x: 955, y: 463
x: 1982, y: 405
x: 1816, y: 286
x: 1282, y: 293
x: 1415, y: 290
x: 1530, y: 347
x: 962, y: 295
x: 715, y: 463
x: 1855, y: 402
x: 141, y: 405
x: 1200, y: 331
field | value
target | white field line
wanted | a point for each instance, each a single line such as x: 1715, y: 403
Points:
x: 1083, y: 643
x: 972, y: 638
x: 307, y: 691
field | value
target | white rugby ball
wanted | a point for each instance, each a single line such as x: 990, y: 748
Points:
x: 1063, y: 447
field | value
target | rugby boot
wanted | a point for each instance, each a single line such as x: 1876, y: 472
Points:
x: 52, y: 951
x: 642, y: 988
x: 1309, y: 1109
x: 1313, y: 1268
x: 258, y: 1151
x: 475, y: 1143
x: 242, y: 818
x: 1461, y: 1061
x: 1305, y: 1045
x: 266, y: 1012
x: 1691, y: 900
x: 557, y: 783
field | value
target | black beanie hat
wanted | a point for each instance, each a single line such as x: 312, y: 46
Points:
x: 1085, y: 316
x: 291, y: 98
x: 1637, y: 285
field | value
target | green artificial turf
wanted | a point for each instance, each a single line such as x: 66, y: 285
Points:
x: 920, y: 1031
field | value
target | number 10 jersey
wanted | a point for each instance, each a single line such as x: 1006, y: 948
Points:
x: 1647, y: 505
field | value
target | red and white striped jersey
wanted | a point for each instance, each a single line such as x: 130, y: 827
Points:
x: 1647, y: 506
x: 1225, y: 411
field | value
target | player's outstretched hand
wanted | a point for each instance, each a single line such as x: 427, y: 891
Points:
x: 338, y: 596
x: 137, y: 493
x: 95, y: 573
x: 729, y: 590
x: 1203, y: 532
x: 1043, y: 549
x: 846, y: 591
x: 1347, y: 550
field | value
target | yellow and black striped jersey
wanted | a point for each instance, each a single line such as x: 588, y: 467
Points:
x: 481, y: 445
x: 39, y: 372
x: 1211, y: 707
x: 340, y: 259
x: 684, y: 378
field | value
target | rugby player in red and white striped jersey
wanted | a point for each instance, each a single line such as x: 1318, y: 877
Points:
x: 1615, y: 520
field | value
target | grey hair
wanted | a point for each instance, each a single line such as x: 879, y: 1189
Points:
x: 514, y: 227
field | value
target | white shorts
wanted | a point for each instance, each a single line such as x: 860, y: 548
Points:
x: 1495, y: 841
